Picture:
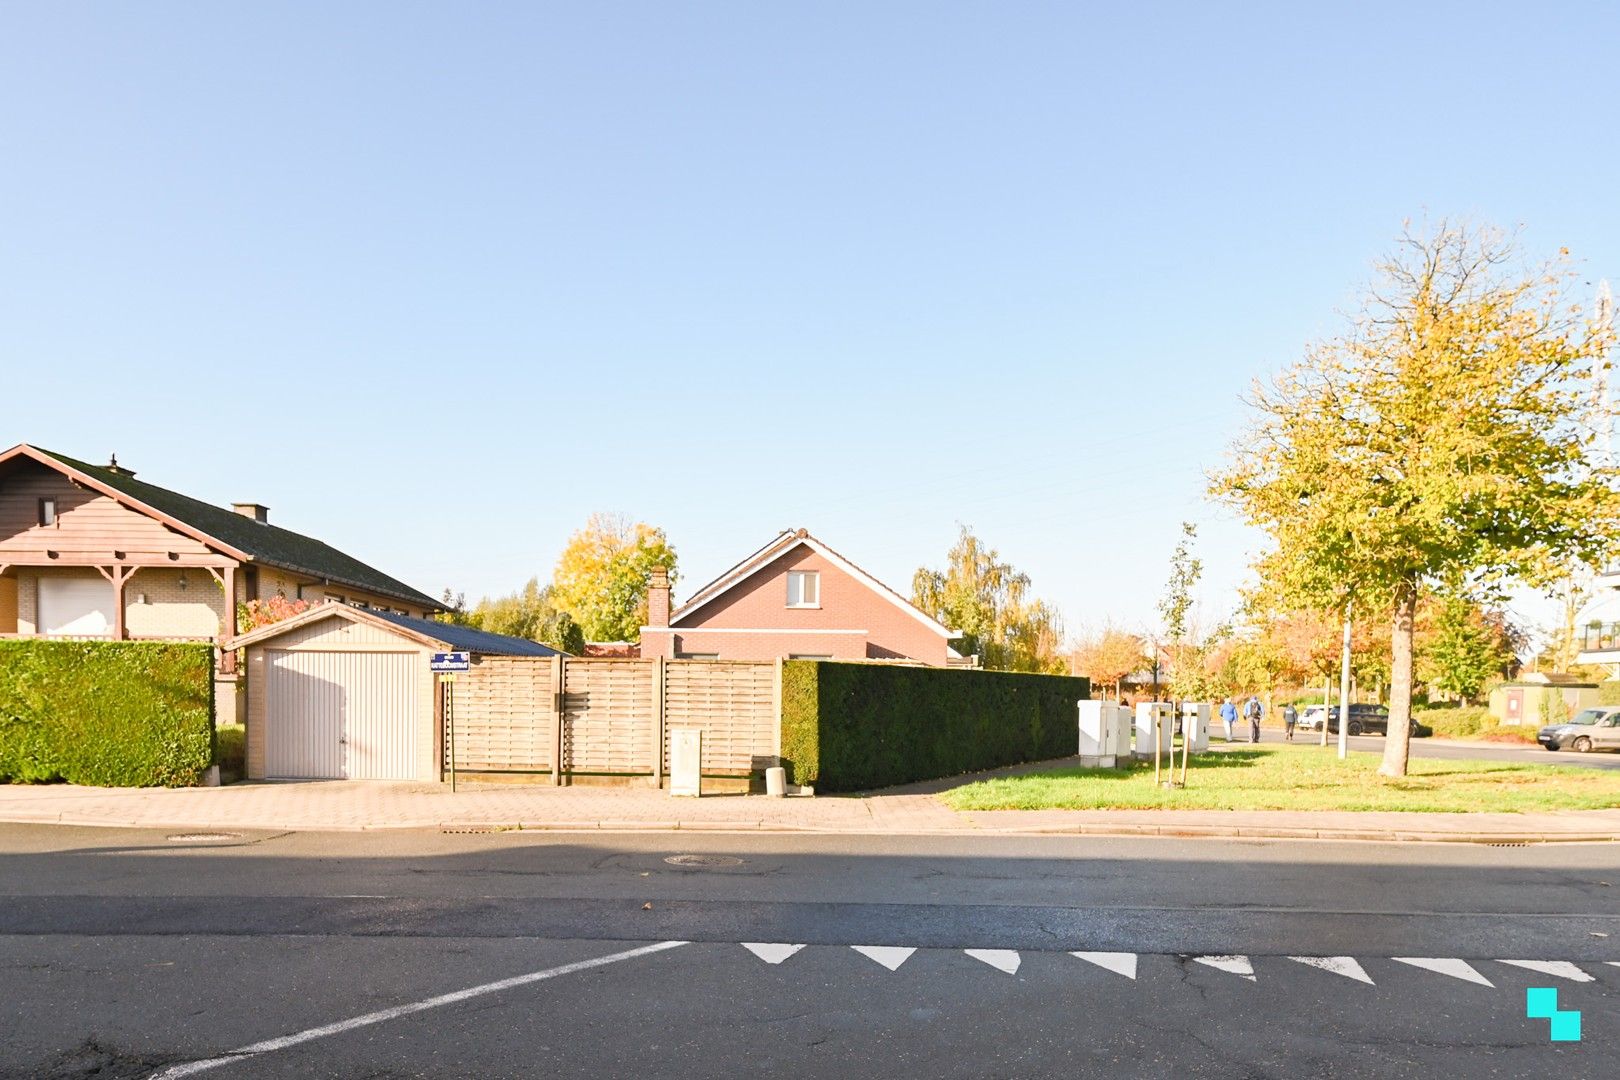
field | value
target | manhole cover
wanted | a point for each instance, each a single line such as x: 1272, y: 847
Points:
x: 703, y: 860
x: 194, y: 837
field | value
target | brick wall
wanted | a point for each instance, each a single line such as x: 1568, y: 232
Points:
x: 156, y: 604
x: 846, y: 603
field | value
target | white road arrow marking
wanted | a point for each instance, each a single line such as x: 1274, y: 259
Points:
x: 1339, y: 965
x: 889, y: 956
x: 1562, y: 969
x: 1237, y: 965
x: 1002, y: 959
x: 1457, y: 969
x: 1122, y: 963
x: 771, y: 952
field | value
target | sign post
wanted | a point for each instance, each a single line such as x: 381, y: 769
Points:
x: 444, y: 666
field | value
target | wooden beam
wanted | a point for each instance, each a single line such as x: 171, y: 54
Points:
x: 151, y: 560
x: 227, y: 632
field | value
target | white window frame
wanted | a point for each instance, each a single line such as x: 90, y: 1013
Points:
x: 799, y: 577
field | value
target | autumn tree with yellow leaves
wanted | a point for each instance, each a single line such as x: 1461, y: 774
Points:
x: 1443, y: 442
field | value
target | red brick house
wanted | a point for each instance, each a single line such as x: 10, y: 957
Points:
x: 793, y: 598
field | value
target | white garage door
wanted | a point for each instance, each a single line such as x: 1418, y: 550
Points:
x: 341, y: 715
x: 82, y: 606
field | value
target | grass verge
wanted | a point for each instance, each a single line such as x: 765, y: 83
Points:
x: 1302, y: 778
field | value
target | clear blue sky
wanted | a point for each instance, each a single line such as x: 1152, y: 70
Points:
x: 435, y: 281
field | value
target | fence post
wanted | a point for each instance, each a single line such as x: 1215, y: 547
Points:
x: 558, y: 700
x: 776, y: 711
x: 659, y: 676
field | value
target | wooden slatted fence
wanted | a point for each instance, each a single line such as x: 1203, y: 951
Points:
x: 615, y: 717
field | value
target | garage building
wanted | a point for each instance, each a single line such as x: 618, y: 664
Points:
x: 344, y: 693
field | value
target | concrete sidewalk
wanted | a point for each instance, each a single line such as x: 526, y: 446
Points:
x: 355, y: 805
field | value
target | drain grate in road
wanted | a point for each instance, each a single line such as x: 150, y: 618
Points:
x: 201, y: 837
x: 703, y: 860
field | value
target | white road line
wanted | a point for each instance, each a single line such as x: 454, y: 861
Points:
x: 1563, y: 969
x: 1122, y: 963
x: 1237, y: 965
x: 1001, y: 959
x: 771, y: 952
x: 1457, y: 969
x: 190, y: 1068
x: 1339, y: 965
x: 890, y: 956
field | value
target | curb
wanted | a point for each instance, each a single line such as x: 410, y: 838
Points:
x: 1213, y: 832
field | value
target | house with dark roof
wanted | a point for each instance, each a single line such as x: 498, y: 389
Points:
x: 90, y: 551
x: 794, y: 598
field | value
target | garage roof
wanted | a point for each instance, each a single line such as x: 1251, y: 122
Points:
x: 445, y: 636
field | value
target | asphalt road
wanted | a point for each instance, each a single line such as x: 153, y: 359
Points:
x: 423, y: 954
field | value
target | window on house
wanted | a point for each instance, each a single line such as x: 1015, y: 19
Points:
x: 804, y: 588
x: 807, y: 656
x: 699, y: 656
x: 47, y: 511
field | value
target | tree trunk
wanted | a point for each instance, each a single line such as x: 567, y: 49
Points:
x: 1397, y: 743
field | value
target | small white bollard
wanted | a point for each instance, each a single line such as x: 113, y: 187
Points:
x: 1154, y: 720
x: 686, y: 762
x: 1097, y: 721
x: 776, y: 782
x: 1195, y: 725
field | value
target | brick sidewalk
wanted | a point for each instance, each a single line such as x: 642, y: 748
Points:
x: 349, y: 805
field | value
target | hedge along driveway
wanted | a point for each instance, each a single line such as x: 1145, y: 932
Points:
x: 852, y: 726
x: 109, y: 713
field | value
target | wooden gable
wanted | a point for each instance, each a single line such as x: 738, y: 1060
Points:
x: 90, y: 526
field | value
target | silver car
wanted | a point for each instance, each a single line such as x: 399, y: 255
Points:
x: 1589, y: 729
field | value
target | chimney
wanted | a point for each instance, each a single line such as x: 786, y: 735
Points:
x: 658, y: 597
x: 258, y: 513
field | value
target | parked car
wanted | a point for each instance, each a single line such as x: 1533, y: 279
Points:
x: 1364, y: 719
x: 1589, y: 729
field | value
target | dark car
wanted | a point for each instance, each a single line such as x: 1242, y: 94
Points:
x: 1364, y: 719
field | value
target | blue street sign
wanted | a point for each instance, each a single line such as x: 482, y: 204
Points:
x: 451, y: 661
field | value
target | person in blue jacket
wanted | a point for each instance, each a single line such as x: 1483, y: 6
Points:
x: 1228, y: 717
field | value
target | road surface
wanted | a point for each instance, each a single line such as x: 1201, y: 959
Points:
x: 424, y: 954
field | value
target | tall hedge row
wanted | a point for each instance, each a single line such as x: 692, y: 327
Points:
x: 850, y: 727
x: 111, y: 713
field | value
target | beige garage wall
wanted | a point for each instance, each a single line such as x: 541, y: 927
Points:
x: 337, y: 634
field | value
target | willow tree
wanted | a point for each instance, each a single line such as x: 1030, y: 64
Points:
x: 1444, y: 442
x: 987, y: 601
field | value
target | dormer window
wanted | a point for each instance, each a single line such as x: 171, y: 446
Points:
x: 47, y: 512
x: 803, y: 588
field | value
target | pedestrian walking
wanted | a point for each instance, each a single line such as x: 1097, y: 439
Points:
x: 1228, y: 717
x: 1290, y: 718
x: 1252, y: 709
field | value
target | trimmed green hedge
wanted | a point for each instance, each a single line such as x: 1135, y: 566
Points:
x: 110, y: 713
x: 851, y: 727
x: 1453, y: 721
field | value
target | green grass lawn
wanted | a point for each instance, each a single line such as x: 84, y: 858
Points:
x: 1301, y: 778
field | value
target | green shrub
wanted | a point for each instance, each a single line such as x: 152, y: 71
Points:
x: 230, y: 750
x: 1609, y: 692
x: 851, y: 727
x: 1454, y: 722
x: 111, y: 713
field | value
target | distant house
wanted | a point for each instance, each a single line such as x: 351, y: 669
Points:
x: 793, y: 598
x: 89, y: 551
